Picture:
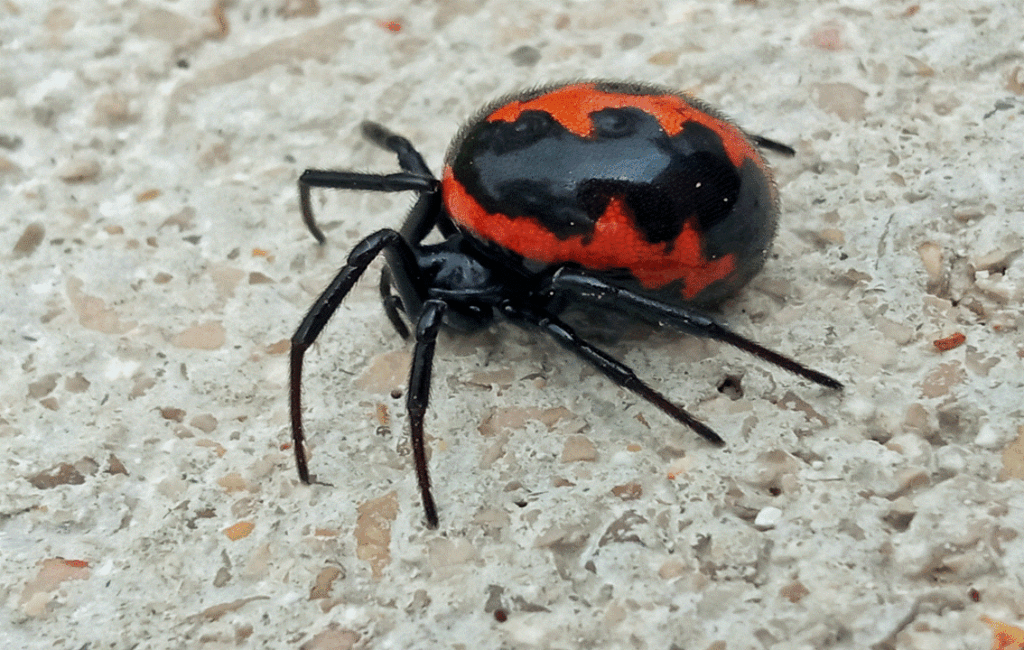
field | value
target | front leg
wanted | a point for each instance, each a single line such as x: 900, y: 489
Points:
x: 418, y: 397
x: 400, y: 182
x: 321, y: 311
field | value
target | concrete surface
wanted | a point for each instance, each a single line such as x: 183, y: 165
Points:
x: 155, y: 266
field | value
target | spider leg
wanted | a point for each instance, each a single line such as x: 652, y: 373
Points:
x: 415, y: 175
x: 418, y: 396
x: 772, y: 145
x: 426, y: 213
x: 598, y: 291
x: 608, y: 365
x: 409, y: 159
x: 340, y: 180
x: 392, y: 304
x: 322, y: 310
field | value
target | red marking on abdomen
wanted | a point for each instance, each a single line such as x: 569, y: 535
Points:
x: 572, y: 105
x: 615, y: 243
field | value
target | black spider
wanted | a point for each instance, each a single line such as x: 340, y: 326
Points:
x: 465, y: 280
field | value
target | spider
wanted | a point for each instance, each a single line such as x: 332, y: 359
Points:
x: 613, y: 197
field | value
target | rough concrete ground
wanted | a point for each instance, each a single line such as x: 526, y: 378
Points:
x: 155, y: 266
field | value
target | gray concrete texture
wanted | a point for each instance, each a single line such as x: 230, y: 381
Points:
x: 155, y: 267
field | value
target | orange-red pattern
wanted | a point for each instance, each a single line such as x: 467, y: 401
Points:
x: 615, y: 243
x: 572, y: 105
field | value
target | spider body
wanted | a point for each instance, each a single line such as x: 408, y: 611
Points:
x: 606, y: 196
x: 635, y: 185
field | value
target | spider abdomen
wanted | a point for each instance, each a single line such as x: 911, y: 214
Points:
x: 633, y: 181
